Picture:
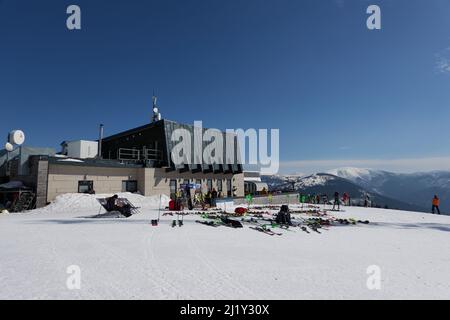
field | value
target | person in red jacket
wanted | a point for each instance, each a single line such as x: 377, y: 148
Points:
x: 435, y: 205
x: 345, y: 198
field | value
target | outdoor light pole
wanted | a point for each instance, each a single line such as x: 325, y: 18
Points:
x: 7, y: 163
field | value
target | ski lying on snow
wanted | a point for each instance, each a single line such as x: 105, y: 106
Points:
x: 266, y: 231
x: 208, y: 223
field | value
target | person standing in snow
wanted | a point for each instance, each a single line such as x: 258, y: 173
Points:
x: 208, y: 198
x: 325, y: 199
x: 345, y: 198
x: 435, y: 205
x: 336, y: 201
x: 213, y: 197
x: 366, y: 200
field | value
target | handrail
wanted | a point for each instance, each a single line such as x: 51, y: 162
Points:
x: 139, y: 155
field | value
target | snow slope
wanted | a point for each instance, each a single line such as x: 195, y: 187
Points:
x: 129, y: 259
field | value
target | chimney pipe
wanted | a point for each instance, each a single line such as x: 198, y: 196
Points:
x: 100, y: 141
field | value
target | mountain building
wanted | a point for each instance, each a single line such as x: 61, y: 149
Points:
x: 136, y: 160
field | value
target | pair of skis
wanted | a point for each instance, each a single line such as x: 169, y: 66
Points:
x: 222, y: 221
x: 266, y: 231
x: 284, y: 227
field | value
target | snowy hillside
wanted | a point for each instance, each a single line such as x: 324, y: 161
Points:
x: 313, y: 181
x: 362, y: 177
x: 324, y: 183
x: 130, y: 259
x: 416, y: 188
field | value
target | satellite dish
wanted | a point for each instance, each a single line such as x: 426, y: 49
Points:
x: 155, y: 110
x: 9, y: 147
x: 17, y: 137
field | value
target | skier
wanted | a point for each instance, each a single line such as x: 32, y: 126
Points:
x: 435, y: 205
x: 318, y: 199
x: 336, y: 201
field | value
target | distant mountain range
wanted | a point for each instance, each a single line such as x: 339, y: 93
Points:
x: 386, y: 189
x: 416, y: 188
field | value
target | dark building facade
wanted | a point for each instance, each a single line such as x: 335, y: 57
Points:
x: 152, y: 145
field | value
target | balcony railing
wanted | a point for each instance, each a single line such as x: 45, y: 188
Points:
x: 137, y: 155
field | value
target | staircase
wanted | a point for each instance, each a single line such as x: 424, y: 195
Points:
x: 24, y: 202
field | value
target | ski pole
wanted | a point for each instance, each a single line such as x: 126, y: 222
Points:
x: 159, y: 208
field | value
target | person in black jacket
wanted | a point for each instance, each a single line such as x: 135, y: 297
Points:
x: 114, y: 204
x: 213, y: 197
x: 336, y: 201
x: 284, y: 216
x: 111, y: 203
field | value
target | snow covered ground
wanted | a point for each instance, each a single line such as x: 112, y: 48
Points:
x: 130, y: 259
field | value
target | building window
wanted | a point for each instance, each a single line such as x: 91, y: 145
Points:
x: 209, y: 184
x: 173, y: 188
x: 229, y: 188
x: 129, y: 186
x: 85, y: 186
x: 219, y: 185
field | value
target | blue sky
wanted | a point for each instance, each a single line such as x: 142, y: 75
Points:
x: 339, y: 93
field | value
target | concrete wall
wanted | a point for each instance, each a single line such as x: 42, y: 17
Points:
x: 82, y: 149
x: 39, y: 169
x: 36, y: 179
x: 151, y: 181
x: 64, y: 179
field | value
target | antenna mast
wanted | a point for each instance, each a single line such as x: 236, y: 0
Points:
x: 156, y: 115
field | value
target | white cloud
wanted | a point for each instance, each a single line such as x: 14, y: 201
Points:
x: 406, y: 165
x: 443, y: 61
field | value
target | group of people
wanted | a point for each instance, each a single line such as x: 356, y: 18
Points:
x: 211, y: 197
x: 337, y: 200
x: 203, y: 199
x: 345, y: 200
x: 323, y: 199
